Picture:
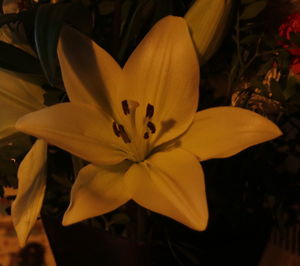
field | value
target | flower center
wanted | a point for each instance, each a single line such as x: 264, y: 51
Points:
x: 138, y: 139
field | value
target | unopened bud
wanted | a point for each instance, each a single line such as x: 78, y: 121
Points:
x: 207, y: 20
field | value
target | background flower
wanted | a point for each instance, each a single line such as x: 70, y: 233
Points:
x: 290, y: 26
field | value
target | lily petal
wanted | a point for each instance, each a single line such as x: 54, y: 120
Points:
x: 31, y: 190
x: 163, y: 71
x: 171, y: 183
x: 90, y: 74
x: 79, y: 129
x: 97, y: 190
x: 224, y: 131
x: 18, y: 92
x: 17, y: 97
x: 8, y: 118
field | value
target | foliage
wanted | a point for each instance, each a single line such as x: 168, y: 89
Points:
x: 250, y: 70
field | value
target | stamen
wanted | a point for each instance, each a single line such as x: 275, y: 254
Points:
x: 146, y: 135
x: 124, y: 135
x: 149, y: 111
x: 115, y: 129
x: 151, y: 126
x: 125, y: 107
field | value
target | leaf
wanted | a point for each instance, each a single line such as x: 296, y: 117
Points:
x: 292, y: 86
x: 253, y: 9
x: 145, y: 15
x: 48, y: 22
x: 52, y: 95
x: 13, y: 58
x: 276, y: 91
x: 119, y: 218
x: 250, y: 39
x: 132, y: 28
x: 295, y: 38
x: 8, y: 18
x: 245, y: 2
x: 1, y: 192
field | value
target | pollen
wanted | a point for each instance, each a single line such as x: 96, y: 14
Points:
x: 123, y: 134
x: 115, y: 129
x: 119, y: 131
x: 146, y: 135
x: 149, y: 111
x: 151, y: 126
x: 125, y: 107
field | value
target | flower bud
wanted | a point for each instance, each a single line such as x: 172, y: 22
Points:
x: 207, y: 20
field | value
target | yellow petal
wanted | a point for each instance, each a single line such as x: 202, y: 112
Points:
x: 90, y: 74
x: 79, y: 129
x: 17, y: 97
x: 163, y: 71
x: 97, y: 190
x: 224, y: 131
x: 19, y: 92
x: 8, y: 118
x: 31, y: 190
x: 171, y: 183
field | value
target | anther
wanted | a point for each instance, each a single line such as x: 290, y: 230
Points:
x: 125, y: 107
x: 146, y: 135
x: 124, y: 135
x: 115, y: 129
x: 149, y: 110
x: 151, y: 126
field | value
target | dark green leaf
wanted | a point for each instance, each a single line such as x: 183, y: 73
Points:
x: 295, y: 101
x: 246, y: 2
x: 132, y: 28
x: 163, y: 8
x: 250, y: 39
x: 291, y: 88
x: 253, y: 9
x: 48, y: 23
x: 15, y: 59
x: 8, y: 18
x: 1, y: 191
x: 295, y: 38
x: 120, y: 218
x: 276, y: 91
x: 52, y: 95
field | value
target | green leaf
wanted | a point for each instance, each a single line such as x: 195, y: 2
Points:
x: 162, y: 9
x: 292, y: 86
x: 253, y: 9
x: 132, y: 28
x: 48, y: 22
x: 246, y: 2
x: 15, y: 59
x: 119, y: 218
x: 8, y: 18
x: 277, y: 93
x: 295, y: 38
x: 144, y: 16
x: 12, y: 151
x: 1, y: 192
x: 250, y: 39
x: 52, y: 95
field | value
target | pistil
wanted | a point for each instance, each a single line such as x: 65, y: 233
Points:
x: 139, y: 145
